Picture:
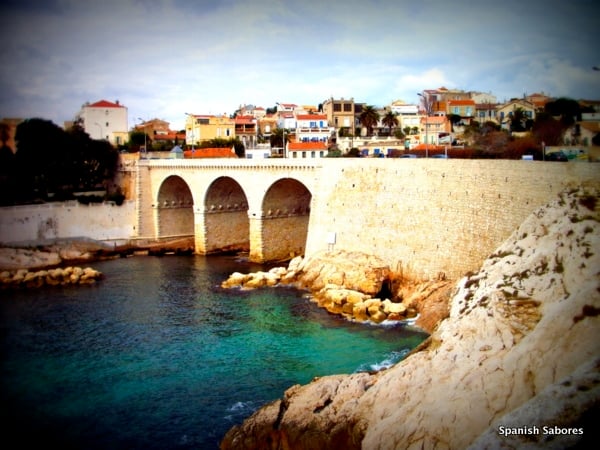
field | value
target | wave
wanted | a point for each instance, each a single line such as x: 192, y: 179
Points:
x: 241, y: 410
x: 390, y: 360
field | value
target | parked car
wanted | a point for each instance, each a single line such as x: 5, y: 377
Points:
x: 408, y: 155
x: 557, y: 156
x: 440, y: 156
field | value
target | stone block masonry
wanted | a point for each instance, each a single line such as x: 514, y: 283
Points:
x: 432, y: 217
x: 70, y: 219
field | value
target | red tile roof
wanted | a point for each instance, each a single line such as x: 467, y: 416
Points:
x: 105, y: 104
x: 300, y: 146
x: 222, y: 152
x: 461, y: 102
x: 244, y: 119
x: 312, y: 117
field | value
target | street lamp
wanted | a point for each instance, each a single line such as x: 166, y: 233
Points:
x: 145, y: 148
x: 192, y: 116
x: 426, y: 104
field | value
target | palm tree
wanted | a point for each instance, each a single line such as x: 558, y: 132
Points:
x: 390, y: 120
x: 369, y: 118
x: 518, y: 119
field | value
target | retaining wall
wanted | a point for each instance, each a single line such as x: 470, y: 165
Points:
x: 71, y: 219
x: 427, y: 216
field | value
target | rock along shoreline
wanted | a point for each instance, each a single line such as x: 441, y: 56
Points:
x: 55, y: 262
x: 357, y: 286
x: 519, y: 348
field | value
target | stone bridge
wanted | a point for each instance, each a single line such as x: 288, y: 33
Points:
x: 239, y: 205
x: 423, y: 217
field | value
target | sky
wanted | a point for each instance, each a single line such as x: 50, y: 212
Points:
x: 165, y: 58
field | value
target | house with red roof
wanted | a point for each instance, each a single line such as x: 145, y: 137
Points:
x: 302, y: 150
x: 104, y: 120
x: 465, y: 108
x: 246, y: 129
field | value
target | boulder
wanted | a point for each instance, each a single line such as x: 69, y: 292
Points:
x: 519, y: 348
x: 349, y: 270
x: 236, y: 279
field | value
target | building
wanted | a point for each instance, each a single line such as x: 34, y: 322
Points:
x: 104, y: 120
x: 261, y: 151
x: 433, y: 128
x: 312, y: 128
x: 435, y: 101
x: 246, y: 130
x: 266, y: 125
x: 153, y: 127
x: 506, y: 110
x: 343, y: 114
x: 463, y: 108
x: 538, y: 100
x: 302, y: 150
x: 200, y: 128
x: 213, y: 152
x: 8, y: 130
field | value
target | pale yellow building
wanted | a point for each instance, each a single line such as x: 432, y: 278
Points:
x: 201, y: 127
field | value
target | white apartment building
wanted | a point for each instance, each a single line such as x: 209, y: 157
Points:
x: 105, y: 120
x: 312, y: 128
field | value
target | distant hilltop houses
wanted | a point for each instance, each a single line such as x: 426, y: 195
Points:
x: 314, y: 131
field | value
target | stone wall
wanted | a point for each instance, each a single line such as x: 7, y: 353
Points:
x: 67, y: 220
x: 429, y: 216
x: 421, y: 216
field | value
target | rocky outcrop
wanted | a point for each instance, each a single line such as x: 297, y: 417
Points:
x: 23, y: 278
x: 63, y: 252
x: 357, y: 286
x: 519, y: 349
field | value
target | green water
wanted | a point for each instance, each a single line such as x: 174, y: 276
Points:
x: 158, y: 356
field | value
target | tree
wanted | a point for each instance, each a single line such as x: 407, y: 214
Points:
x: 136, y: 140
x: 518, y: 119
x: 277, y: 137
x: 369, y: 118
x: 566, y: 109
x: 41, y: 151
x: 391, y: 121
x: 454, y: 120
x: 49, y: 159
x: 548, y: 130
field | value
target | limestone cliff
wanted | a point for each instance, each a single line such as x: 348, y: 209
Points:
x: 519, y: 351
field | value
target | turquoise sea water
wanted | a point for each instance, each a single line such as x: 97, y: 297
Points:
x: 158, y: 356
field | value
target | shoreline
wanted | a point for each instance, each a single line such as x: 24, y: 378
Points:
x: 57, y: 253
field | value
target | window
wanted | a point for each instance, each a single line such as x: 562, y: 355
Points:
x: 347, y: 107
x: 469, y: 111
x: 312, y: 154
x: 337, y: 107
x: 456, y: 110
x: 106, y: 123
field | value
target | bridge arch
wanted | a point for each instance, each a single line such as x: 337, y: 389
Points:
x: 226, y: 224
x: 174, y: 208
x: 284, y: 221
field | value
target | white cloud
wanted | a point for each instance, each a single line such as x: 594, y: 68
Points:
x: 162, y: 58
